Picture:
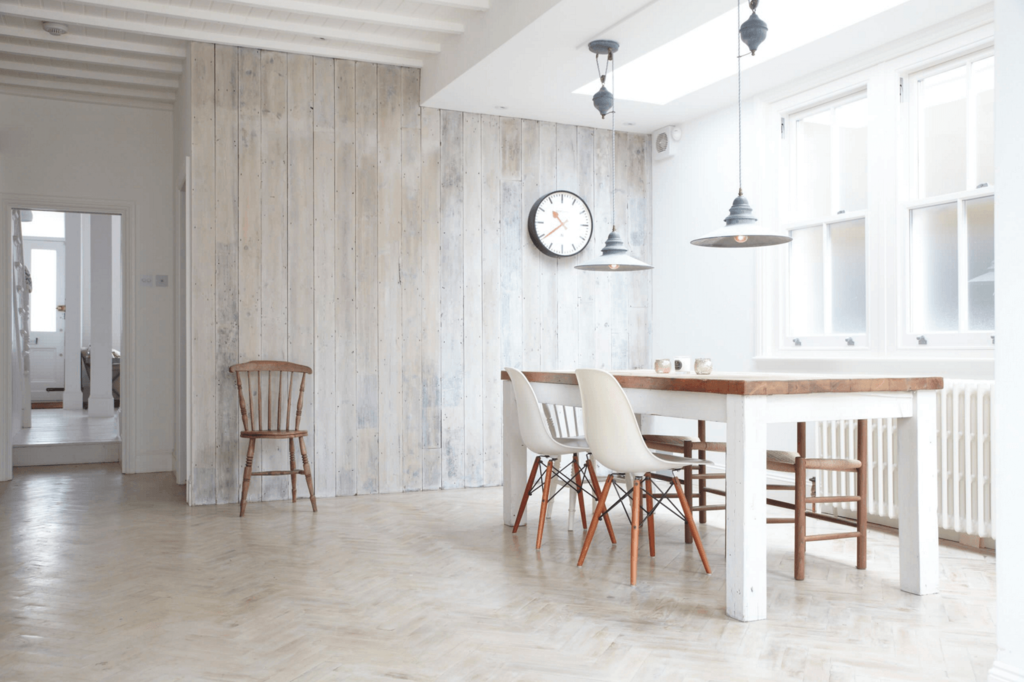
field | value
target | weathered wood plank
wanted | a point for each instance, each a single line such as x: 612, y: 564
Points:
x: 249, y: 234
x: 226, y: 188
x: 453, y: 418
x: 473, y: 301
x: 389, y: 286
x: 511, y: 273
x: 411, y: 278
x: 430, y: 212
x: 585, y: 281
x: 274, y: 242
x: 602, y: 282
x: 301, y: 263
x: 324, y: 251
x: 533, y: 259
x: 511, y: 149
x: 204, y: 294
x: 640, y: 353
x: 620, y: 285
x: 548, y: 276
x: 366, y: 277
x: 568, y: 298
x: 345, y: 274
x: 490, y: 257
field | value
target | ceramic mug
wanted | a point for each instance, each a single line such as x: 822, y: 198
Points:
x: 702, y: 365
x: 682, y: 365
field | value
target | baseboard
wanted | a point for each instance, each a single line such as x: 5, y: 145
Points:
x: 154, y: 462
x: 66, y: 453
x: 1001, y: 672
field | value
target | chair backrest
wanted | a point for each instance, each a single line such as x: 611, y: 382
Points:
x: 268, y: 414
x: 533, y: 424
x: 614, y: 436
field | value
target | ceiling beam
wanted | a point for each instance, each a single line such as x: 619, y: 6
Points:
x: 69, y: 96
x: 238, y: 20
x: 82, y: 57
x: 479, y: 5
x: 91, y: 41
x: 88, y: 74
x: 93, y: 88
x: 318, y: 9
x: 181, y: 33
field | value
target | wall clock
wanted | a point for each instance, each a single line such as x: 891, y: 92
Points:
x: 561, y: 224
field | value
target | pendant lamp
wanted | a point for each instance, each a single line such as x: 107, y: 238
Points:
x: 615, y: 255
x: 742, y: 230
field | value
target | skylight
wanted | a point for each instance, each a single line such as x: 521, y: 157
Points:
x: 707, y: 54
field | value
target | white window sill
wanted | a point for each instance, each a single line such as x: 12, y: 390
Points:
x: 816, y: 362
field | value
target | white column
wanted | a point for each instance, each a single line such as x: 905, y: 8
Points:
x: 746, y: 561
x: 514, y: 461
x: 101, y: 400
x: 1008, y: 403
x: 916, y: 462
x: 73, y: 312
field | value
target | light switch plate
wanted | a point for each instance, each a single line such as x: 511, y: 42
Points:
x: 146, y: 280
x: 161, y: 280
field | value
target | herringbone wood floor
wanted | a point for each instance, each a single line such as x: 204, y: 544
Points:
x: 111, y: 577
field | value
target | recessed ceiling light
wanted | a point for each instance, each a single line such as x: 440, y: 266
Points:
x: 667, y: 73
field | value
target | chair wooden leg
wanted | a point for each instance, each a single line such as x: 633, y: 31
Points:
x: 634, y: 523
x: 702, y: 486
x: 596, y: 514
x: 544, y: 502
x: 684, y: 501
x: 650, y: 513
x: 800, y: 525
x: 688, y: 492
x: 247, y: 476
x: 291, y: 465
x: 598, y: 510
x: 862, y: 492
x: 579, y: 488
x: 309, y: 474
x: 526, y: 493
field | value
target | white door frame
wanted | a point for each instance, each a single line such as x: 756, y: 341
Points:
x: 9, y: 202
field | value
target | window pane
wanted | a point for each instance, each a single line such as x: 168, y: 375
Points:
x: 981, y: 311
x: 814, y: 165
x: 983, y: 86
x: 806, y: 300
x: 43, y: 301
x: 942, y: 118
x: 933, y: 269
x: 849, y: 281
x: 43, y: 224
x: 852, y: 155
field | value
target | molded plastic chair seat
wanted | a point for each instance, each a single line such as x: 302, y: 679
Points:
x: 573, y: 445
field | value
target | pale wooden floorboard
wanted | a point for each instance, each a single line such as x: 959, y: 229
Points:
x: 111, y: 577
x: 52, y: 427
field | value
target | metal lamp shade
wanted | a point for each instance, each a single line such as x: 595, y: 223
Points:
x: 753, y: 32
x: 741, y: 231
x: 603, y: 101
x: 614, y: 257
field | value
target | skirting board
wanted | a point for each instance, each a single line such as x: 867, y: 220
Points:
x: 154, y: 462
x: 66, y: 453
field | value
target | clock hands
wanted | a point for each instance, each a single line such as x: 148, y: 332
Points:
x: 561, y: 224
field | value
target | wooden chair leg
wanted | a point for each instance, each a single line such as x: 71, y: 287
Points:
x: 291, y: 464
x: 634, y: 523
x: 800, y: 525
x: 247, y: 476
x: 526, y: 493
x: 688, y: 492
x: 309, y: 474
x: 684, y: 501
x: 650, y: 513
x: 544, y: 502
x: 579, y: 489
x: 702, y: 486
x: 862, y: 492
x: 597, y: 514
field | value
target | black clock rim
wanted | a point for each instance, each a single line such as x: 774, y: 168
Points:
x: 531, y: 225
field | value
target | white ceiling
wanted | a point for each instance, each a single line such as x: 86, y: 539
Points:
x: 132, y: 51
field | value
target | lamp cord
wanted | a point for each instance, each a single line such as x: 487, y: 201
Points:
x: 611, y: 58
x: 739, y: 93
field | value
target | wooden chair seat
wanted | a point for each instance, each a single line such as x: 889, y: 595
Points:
x: 275, y: 434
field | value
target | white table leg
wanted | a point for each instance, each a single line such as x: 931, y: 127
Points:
x: 745, y: 549
x: 514, y: 461
x: 919, y: 530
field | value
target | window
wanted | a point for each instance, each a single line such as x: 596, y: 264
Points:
x: 827, y: 211
x: 45, y: 224
x: 949, y: 269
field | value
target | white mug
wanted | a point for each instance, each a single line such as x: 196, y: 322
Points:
x: 682, y: 365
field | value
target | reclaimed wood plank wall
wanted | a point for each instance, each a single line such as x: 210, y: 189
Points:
x: 338, y: 224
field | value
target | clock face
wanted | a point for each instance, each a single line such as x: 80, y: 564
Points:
x: 561, y: 224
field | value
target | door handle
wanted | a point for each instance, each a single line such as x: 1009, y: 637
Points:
x: 62, y: 308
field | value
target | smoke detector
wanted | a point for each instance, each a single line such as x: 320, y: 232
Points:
x: 665, y: 141
x: 55, y: 29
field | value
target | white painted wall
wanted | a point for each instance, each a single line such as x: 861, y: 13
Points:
x: 123, y: 154
x: 1009, y: 428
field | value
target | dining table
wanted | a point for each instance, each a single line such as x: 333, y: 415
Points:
x: 747, y: 403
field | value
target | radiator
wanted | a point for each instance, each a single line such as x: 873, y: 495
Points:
x: 963, y: 455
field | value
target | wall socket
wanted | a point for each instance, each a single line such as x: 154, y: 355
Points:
x: 161, y: 280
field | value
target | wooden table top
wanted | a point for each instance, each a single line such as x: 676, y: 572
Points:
x: 752, y: 383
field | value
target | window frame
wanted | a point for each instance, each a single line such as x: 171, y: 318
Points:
x: 911, y: 200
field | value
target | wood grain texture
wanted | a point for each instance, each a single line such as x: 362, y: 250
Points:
x: 567, y: 311
x: 430, y: 213
x: 546, y: 287
x: 490, y: 256
x: 453, y: 443
x: 534, y: 262
x: 472, y: 283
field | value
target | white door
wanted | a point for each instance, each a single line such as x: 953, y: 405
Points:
x: 45, y: 261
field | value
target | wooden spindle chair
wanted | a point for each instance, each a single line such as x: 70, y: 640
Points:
x: 261, y: 420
